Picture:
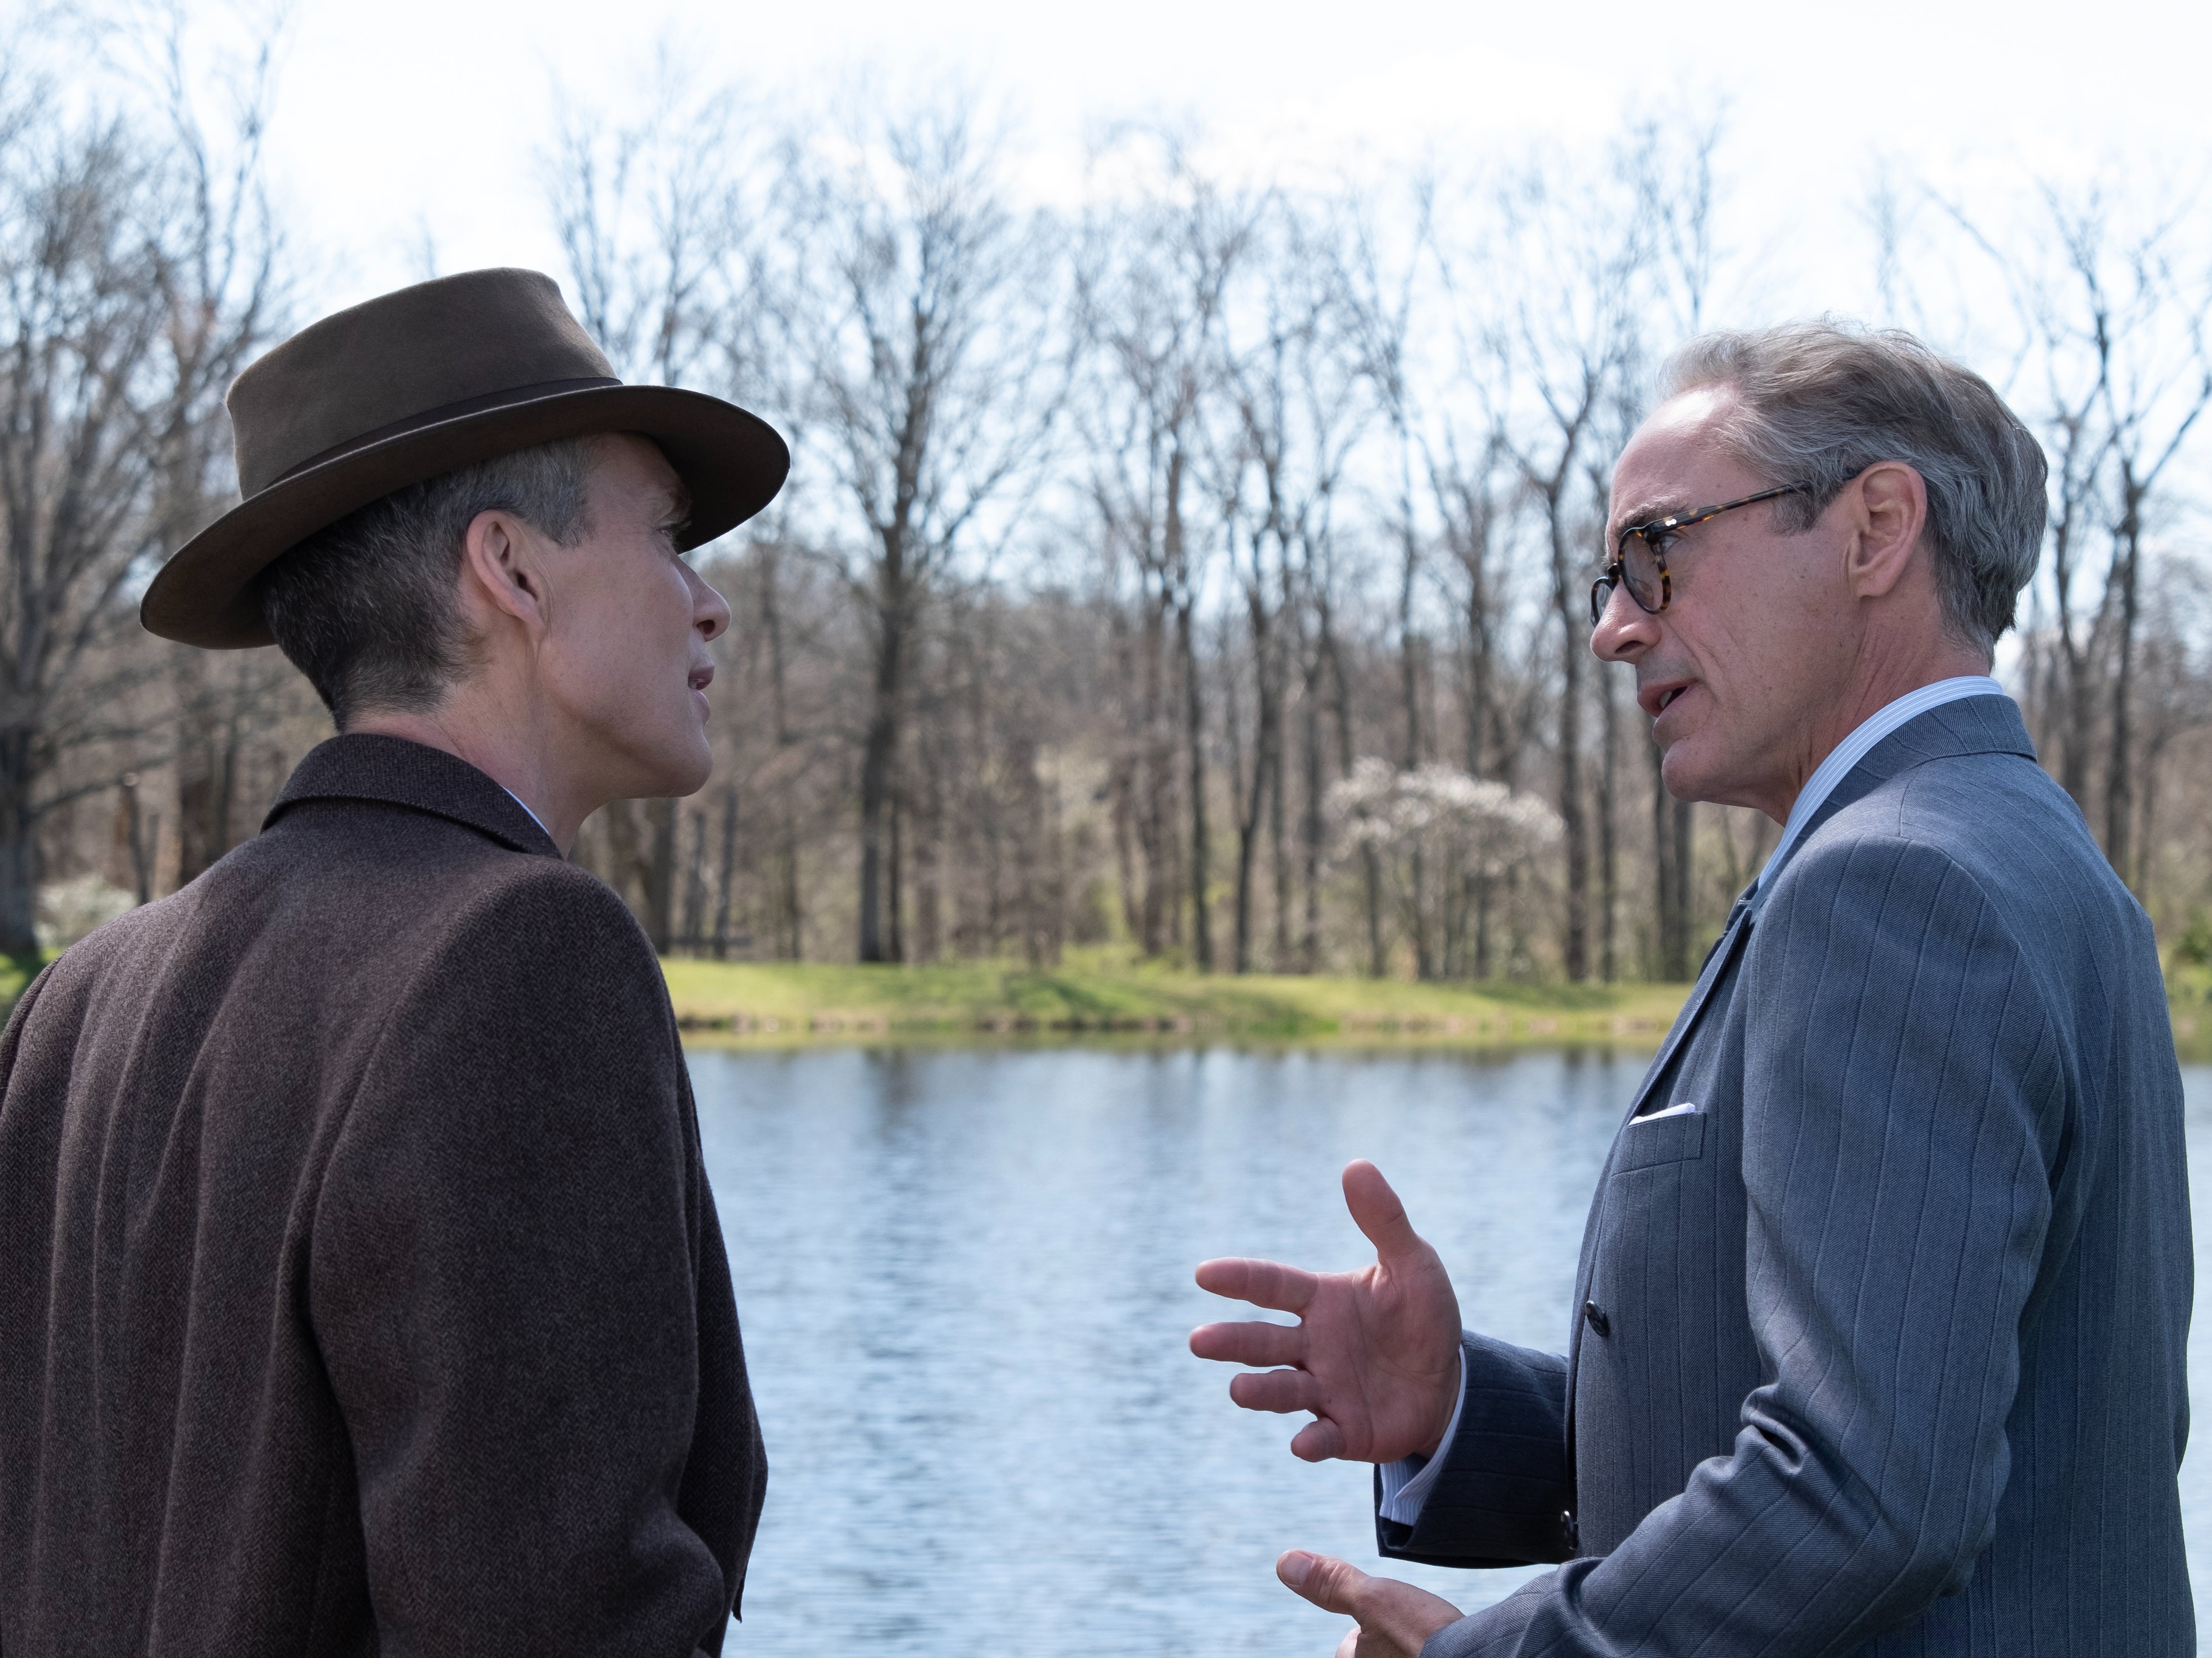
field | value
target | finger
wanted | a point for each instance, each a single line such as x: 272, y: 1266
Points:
x: 1377, y: 1212
x: 1349, y: 1647
x: 1262, y: 1283
x: 1330, y: 1583
x: 1279, y: 1391
x: 1318, y: 1441
x: 1249, y: 1344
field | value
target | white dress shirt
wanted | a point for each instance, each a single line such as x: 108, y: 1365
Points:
x: 1406, y: 1483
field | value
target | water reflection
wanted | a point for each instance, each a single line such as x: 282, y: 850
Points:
x: 965, y: 1280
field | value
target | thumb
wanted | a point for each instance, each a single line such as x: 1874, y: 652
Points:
x: 1377, y: 1212
x: 1329, y: 1583
x: 1394, y: 1617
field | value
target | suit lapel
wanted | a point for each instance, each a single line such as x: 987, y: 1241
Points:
x: 1716, y: 964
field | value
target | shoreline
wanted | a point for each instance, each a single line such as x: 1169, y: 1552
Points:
x: 755, y: 1005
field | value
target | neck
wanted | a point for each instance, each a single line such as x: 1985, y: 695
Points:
x: 1883, y: 677
x: 515, y: 754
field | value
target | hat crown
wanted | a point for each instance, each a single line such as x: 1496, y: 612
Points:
x: 426, y: 352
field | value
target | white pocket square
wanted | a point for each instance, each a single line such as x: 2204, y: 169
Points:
x: 1682, y: 1109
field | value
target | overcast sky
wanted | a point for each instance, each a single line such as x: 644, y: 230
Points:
x: 415, y: 115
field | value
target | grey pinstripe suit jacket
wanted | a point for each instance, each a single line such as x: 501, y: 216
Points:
x: 1880, y: 1350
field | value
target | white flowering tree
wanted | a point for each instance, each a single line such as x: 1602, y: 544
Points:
x: 1475, y: 834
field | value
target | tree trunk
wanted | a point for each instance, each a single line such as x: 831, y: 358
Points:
x: 1155, y: 834
x: 1671, y: 853
x: 1202, y: 927
x: 726, y: 888
x: 1370, y: 862
x: 1571, y: 815
x: 695, y: 886
x: 1608, y: 851
x: 894, y: 889
x: 1313, y: 826
x: 660, y: 874
x: 929, y: 870
x: 877, y: 755
x: 793, y: 941
x: 1279, y: 855
x: 19, y: 849
x: 1685, y: 865
x: 2119, y: 781
x: 143, y: 832
x: 1409, y: 688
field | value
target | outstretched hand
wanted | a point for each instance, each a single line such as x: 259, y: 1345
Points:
x: 1395, y: 1619
x: 1375, y: 1353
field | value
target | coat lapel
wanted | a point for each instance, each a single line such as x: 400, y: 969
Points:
x: 1718, y: 959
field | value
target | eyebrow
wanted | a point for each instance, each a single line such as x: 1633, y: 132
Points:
x: 1645, y: 513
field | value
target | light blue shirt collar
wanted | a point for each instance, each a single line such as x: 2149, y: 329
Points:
x: 1854, y: 749
x: 540, y: 822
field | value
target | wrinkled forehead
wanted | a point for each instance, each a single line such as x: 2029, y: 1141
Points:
x: 1678, y: 461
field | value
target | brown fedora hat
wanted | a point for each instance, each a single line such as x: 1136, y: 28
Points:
x: 416, y: 383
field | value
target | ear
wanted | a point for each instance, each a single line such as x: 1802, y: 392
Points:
x: 501, y: 579
x: 1889, y: 509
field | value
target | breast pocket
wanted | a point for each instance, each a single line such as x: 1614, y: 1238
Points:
x: 1648, y: 1142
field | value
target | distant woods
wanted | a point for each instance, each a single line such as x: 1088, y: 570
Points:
x: 1197, y: 567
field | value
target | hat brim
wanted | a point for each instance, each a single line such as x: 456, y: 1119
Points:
x: 732, y: 462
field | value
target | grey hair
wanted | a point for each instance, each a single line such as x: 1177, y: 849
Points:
x: 366, y: 607
x: 1818, y: 403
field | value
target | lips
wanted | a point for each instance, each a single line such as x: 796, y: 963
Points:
x: 1655, y: 699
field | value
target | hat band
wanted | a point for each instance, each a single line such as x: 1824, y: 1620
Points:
x: 515, y: 394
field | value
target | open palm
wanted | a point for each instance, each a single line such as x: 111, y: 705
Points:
x: 1375, y: 1353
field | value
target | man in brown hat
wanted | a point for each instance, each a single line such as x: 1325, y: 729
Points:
x: 361, y: 1285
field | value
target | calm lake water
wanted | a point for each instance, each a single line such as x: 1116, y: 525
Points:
x: 965, y: 1278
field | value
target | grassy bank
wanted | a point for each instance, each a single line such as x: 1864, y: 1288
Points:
x: 2189, y: 998
x: 782, y: 1004
x: 16, y: 972
x: 776, y: 1004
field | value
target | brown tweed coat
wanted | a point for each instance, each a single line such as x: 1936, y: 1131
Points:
x: 361, y: 1290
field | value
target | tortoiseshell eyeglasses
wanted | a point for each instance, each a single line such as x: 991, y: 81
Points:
x: 1639, y: 560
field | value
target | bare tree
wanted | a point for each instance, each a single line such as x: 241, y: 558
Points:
x: 2153, y: 401
x: 925, y: 375
x: 1376, y: 297
x: 1294, y: 386
x: 1558, y: 352
x: 1151, y: 280
x: 136, y: 276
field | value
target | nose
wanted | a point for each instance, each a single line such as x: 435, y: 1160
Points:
x: 1624, y: 628
x: 710, y: 612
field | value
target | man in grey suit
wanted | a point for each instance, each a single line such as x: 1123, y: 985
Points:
x: 1878, y: 1334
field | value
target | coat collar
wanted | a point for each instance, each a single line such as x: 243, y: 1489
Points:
x: 398, y: 773
x: 1973, y: 725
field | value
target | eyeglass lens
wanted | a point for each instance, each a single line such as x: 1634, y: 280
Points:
x: 1639, y: 567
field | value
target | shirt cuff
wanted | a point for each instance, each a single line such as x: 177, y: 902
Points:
x: 1407, y: 1482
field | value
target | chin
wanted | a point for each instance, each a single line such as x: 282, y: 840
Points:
x: 674, y: 765
x: 690, y: 774
x: 1680, y: 772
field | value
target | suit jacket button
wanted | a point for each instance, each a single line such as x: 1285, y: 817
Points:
x: 1571, y: 1532
x: 1594, y: 1315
